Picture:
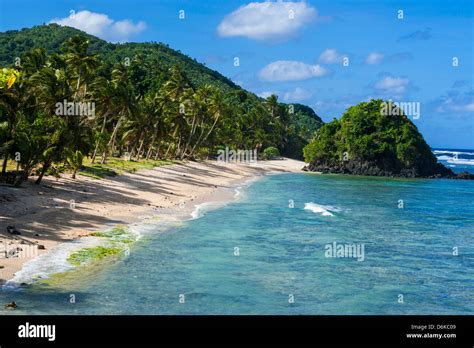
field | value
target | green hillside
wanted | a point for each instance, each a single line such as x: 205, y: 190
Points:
x: 365, y: 141
x: 15, y: 43
x: 68, y: 98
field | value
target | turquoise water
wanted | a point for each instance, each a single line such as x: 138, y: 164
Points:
x: 281, y: 252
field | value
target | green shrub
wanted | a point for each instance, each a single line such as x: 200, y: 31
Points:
x: 271, y: 153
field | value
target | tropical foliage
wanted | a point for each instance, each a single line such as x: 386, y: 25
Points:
x: 365, y: 133
x: 58, y: 105
x: 271, y: 153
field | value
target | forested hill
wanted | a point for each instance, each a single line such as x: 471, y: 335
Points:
x: 66, y: 96
x: 156, y: 60
x: 150, y: 65
x: 15, y: 43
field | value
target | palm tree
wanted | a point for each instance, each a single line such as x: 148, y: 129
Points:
x: 175, y: 89
x: 104, y: 94
x: 9, y: 107
x: 80, y: 64
x: 74, y: 159
x: 216, y: 108
x: 272, y: 105
x: 126, y: 104
x: 156, y: 108
x: 33, y: 61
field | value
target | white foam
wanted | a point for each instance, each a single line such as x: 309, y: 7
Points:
x: 453, y: 152
x: 452, y: 160
x: 201, y: 209
x: 53, y: 261
x: 324, y: 210
x: 237, y: 192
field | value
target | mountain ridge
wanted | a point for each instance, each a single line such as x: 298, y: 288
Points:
x: 15, y: 43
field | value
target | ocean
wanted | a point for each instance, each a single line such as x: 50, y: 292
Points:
x: 291, y: 244
x: 458, y: 160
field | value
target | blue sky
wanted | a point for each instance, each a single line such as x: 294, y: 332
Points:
x: 297, y: 49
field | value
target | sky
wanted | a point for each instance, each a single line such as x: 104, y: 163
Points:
x: 327, y: 54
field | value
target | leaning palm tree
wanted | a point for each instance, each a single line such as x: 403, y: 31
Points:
x: 126, y: 105
x: 216, y: 108
x: 176, y: 89
x: 104, y: 94
x: 156, y: 108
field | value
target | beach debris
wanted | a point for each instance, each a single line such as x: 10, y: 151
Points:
x: 12, y: 230
x: 41, y: 247
x: 11, y: 305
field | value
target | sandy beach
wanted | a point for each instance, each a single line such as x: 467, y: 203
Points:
x: 60, y: 211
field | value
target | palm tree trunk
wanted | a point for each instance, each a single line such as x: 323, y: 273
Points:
x: 168, y: 150
x: 157, y: 151
x: 178, y: 148
x: 111, y: 141
x: 98, y: 140
x: 150, y: 149
x: 191, y: 132
x: 4, y: 165
x: 199, y: 139
x: 43, y: 171
x: 132, y: 153
x: 77, y: 87
x: 207, y: 135
x: 140, y: 149
x: 212, y: 128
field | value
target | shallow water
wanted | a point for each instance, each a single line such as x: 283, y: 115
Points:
x: 281, y: 255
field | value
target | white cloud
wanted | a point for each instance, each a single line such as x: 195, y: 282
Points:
x: 392, y: 85
x: 289, y: 70
x: 453, y: 105
x: 101, y: 25
x: 469, y: 107
x: 273, y: 21
x: 298, y: 94
x: 374, y: 58
x: 331, y: 56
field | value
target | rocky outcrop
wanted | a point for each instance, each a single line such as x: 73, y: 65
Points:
x: 367, y: 168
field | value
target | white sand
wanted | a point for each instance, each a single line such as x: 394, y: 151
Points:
x: 56, y: 212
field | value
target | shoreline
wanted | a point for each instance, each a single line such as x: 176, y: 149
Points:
x: 67, y: 210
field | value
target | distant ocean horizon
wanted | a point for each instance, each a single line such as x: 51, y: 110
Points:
x: 458, y: 160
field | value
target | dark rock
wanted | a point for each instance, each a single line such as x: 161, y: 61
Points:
x: 41, y: 247
x: 387, y: 169
x: 464, y: 176
x: 13, y: 230
x: 11, y: 305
